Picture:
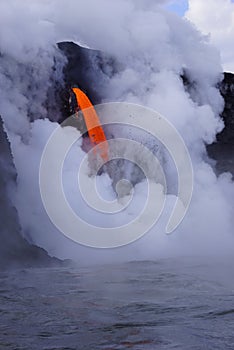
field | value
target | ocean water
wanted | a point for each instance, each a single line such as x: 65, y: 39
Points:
x: 166, y: 304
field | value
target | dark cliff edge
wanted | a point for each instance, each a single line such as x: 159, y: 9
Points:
x: 15, y: 251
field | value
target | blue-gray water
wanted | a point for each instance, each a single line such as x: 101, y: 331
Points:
x: 169, y: 304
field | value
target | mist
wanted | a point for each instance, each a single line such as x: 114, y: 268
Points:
x: 154, y: 49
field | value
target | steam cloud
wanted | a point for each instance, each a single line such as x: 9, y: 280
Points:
x: 155, y: 49
x: 220, y: 27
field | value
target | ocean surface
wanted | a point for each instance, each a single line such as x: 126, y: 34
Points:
x: 166, y: 304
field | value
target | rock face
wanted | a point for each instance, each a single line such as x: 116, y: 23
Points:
x: 223, y: 150
x: 14, y: 249
x: 87, y: 68
x: 227, y: 91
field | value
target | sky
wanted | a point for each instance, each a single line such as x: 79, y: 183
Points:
x: 178, y: 6
x: 214, y: 18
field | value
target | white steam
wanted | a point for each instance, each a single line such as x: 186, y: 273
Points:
x: 216, y: 19
x: 155, y: 48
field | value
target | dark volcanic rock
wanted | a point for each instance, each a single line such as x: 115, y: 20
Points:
x: 89, y: 69
x: 14, y: 249
x: 227, y: 91
x: 223, y: 150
